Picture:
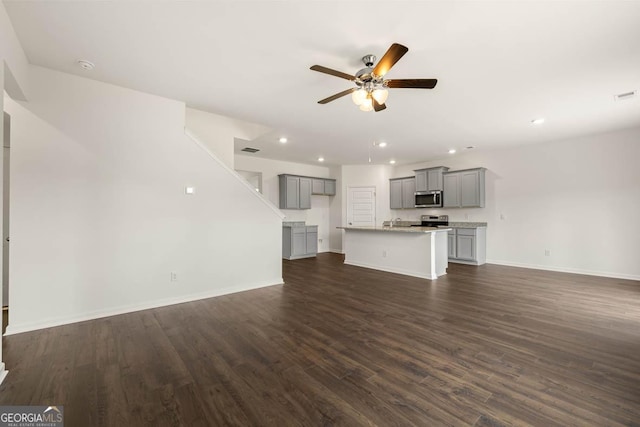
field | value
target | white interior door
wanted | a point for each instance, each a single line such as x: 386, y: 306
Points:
x: 361, y: 206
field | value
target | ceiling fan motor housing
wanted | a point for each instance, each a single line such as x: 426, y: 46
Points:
x: 365, y: 78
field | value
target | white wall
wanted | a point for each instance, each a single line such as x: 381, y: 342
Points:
x: 13, y: 80
x: 99, y: 214
x: 218, y: 132
x: 335, y: 211
x: 319, y: 214
x: 13, y: 61
x: 578, y: 198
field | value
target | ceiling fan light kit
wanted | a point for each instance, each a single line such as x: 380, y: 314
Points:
x: 371, y: 91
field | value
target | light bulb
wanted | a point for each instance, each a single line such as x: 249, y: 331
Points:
x: 380, y: 95
x: 367, y: 105
x: 358, y: 96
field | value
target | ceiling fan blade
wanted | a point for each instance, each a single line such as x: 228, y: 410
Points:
x: 393, y: 55
x: 326, y: 70
x: 412, y: 83
x: 376, y: 106
x: 337, y: 95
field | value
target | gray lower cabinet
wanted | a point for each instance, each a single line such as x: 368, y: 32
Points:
x: 402, y: 193
x: 468, y: 245
x: 451, y: 244
x: 463, y: 189
x: 299, y: 241
x: 295, y: 192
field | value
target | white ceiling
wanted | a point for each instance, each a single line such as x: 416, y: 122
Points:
x: 499, y: 64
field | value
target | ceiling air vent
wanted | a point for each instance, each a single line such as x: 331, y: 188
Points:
x: 250, y: 150
x: 625, y: 96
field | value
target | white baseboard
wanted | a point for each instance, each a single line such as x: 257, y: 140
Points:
x: 565, y: 270
x: 336, y: 251
x: 3, y: 372
x: 13, y: 329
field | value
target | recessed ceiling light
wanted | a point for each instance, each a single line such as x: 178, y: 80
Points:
x: 321, y: 159
x: 86, y: 65
x: 283, y: 140
x: 393, y: 162
x: 452, y: 151
x: 537, y: 121
x: 382, y: 144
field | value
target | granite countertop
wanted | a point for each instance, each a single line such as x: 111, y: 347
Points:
x: 453, y: 224
x: 399, y: 229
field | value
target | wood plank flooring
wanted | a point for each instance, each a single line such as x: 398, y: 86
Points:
x: 342, y: 345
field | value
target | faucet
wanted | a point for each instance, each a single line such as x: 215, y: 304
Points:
x: 393, y: 220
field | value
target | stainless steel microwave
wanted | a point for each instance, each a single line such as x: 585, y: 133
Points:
x: 428, y: 199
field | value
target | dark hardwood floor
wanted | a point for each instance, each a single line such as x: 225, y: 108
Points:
x: 342, y: 345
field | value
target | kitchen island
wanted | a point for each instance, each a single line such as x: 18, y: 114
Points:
x: 413, y: 251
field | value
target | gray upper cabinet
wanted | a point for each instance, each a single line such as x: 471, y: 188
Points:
x: 289, y: 192
x: 323, y: 187
x: 330, y: 187
x: 464, y: 189
x: 409, y: 193
x: 430, y: 179
x: 435, y: 178
x: 317, y: 186
x: 305, y: 193
x: 395, y: 193
x: 450, y: 193
x: 422, y: 180
x: 296, y: 191
x: 402, y: 193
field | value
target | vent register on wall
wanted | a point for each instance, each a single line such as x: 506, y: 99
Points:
x: 438, y: 187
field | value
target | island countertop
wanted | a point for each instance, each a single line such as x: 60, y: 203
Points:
x: 398, y: 229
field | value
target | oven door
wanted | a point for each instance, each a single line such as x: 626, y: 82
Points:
x: 428, y: 199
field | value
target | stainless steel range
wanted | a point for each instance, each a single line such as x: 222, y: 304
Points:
x: 433, y: 221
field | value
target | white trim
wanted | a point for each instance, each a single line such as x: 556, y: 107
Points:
x: 336, y: 251
x: 3, y: 372
x: 18, y: 329
x: 393, y: 270
x: 244, y: 182
x: 566, y: 270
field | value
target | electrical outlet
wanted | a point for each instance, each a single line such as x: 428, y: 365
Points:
x: 547, y: 252
x: 466, y: 216
x: 384, y: 254
x: 320, y: 241
x: 174, y: 276
x: 502, y: 216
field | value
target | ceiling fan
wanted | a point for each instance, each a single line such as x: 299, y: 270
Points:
x: 371, y: 92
